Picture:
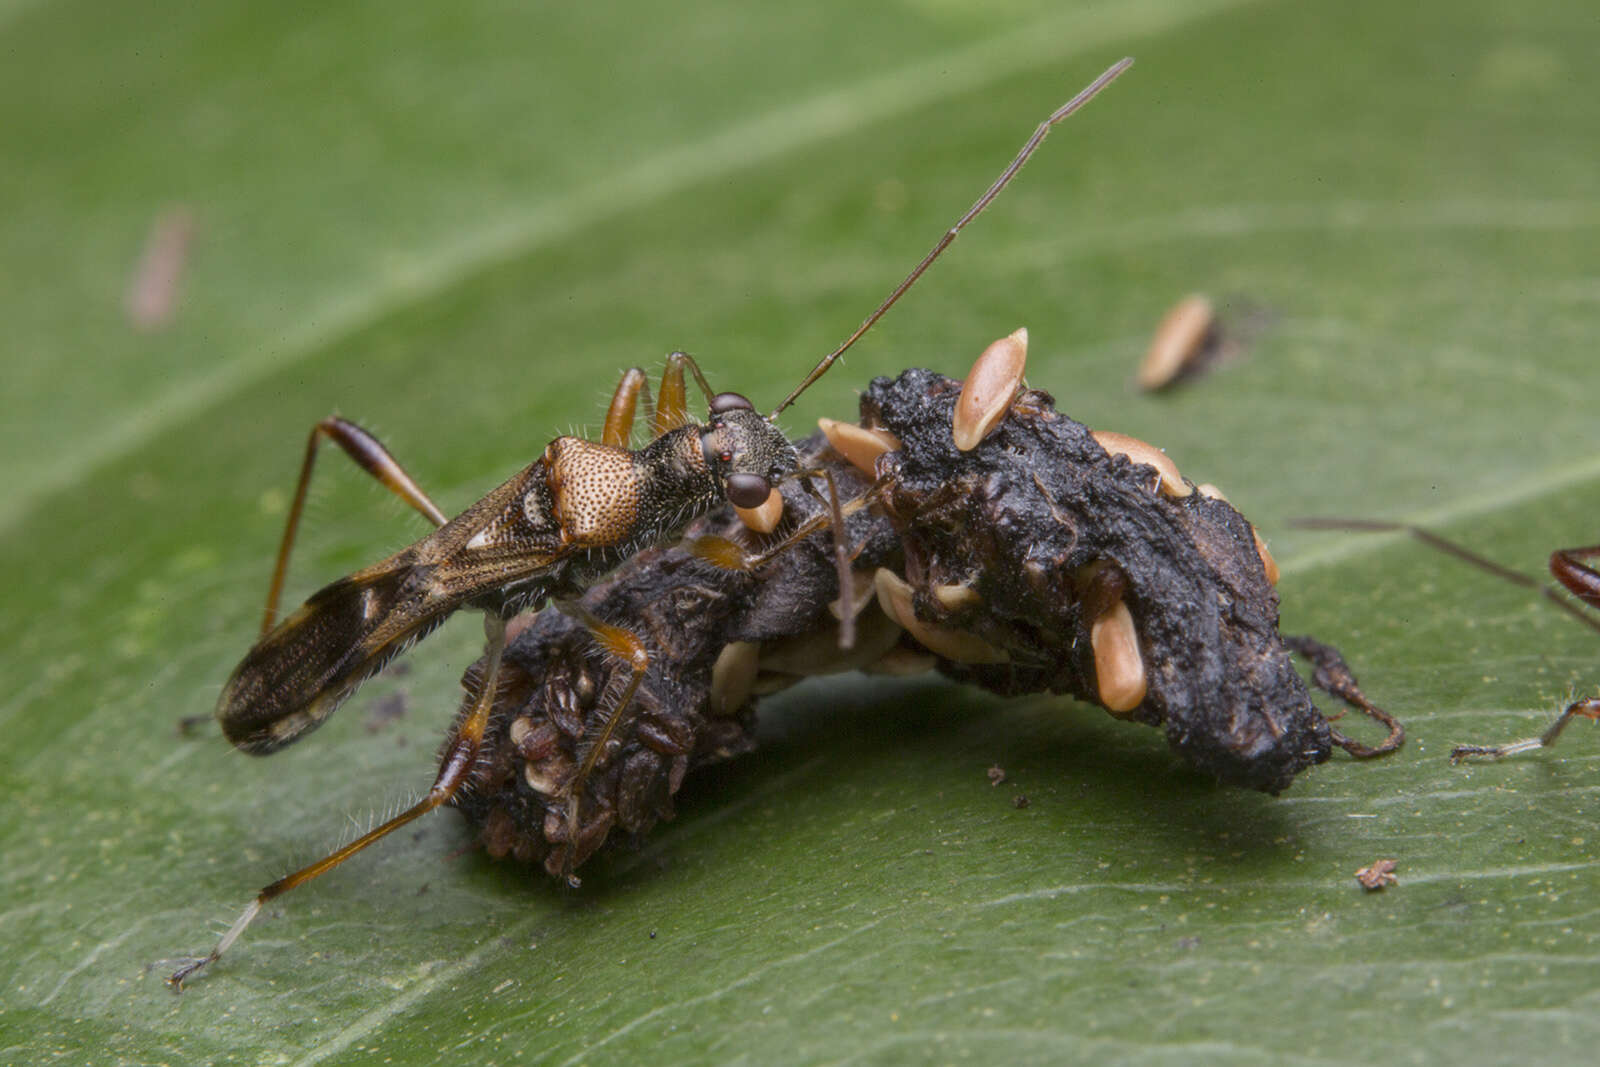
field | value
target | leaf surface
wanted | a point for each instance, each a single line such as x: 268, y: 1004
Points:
x: 456, y: 225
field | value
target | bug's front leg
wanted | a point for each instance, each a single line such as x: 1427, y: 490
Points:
x: 1332, y: 675
x: 668, y: 411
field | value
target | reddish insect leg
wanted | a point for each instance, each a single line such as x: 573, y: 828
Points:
x: 672, y: 408
x: 619, y: 416
x: 370, y: 455
x: 1581, y: 580
x: 460, y: 756
x: 1332, y: 675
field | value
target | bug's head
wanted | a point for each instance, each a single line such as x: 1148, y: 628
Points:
x: 749, y: 454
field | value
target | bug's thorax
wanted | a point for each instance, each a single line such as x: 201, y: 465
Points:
x: 607, y: 497
x: 595, y: 491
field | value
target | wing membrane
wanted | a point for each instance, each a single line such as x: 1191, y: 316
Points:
x: 300, y: 672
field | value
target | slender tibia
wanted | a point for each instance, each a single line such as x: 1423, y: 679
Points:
x: 1332, y: 675
x: 841, y: 553
x: 721, y: 552
x: 668, y: 411
x: 677, y: 363
x: 1588, y: 709
x: 460, y: 756
x: 672, y: 410
x: 370, y: 455
x: 626, y: 647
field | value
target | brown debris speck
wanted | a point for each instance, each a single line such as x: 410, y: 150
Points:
x: 1378, y: 875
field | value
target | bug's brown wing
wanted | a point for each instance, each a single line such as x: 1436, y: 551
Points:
x: 300, y: 672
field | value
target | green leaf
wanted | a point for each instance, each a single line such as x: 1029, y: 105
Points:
x: 458, y: 223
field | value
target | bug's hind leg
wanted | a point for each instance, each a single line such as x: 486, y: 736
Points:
x: 370, y: 455
x: 1568, y: 568
x: 1332, y: 675
x: 1583, y: 582
x: 455, y: 769
x: 625, y: 647
x: 1588, y: 709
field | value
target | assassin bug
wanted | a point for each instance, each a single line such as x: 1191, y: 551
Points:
x: 547, y: 534
x: 998, y: 542
x: 1566, y: 566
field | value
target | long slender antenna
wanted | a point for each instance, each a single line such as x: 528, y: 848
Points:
x: 1088, y: 93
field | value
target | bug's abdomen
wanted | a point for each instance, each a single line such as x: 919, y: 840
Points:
x: 301, y: 671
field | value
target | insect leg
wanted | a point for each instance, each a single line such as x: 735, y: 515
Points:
x: 1332, y: 675
x: 619, y: 416
x: 672, y: 410
x: 626, y: 647
x: 455, y: 767
x: 841, y: 551
x: 1581, y: 580
x: 721, y: 552
x: 370, y: 455
x: 1589, y: 709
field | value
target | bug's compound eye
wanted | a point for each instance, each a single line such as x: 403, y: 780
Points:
x: 730, y: 402
x: 747, y: 490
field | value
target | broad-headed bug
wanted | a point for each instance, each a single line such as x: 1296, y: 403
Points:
x: 1566, y: 566
x: 545, y: 535
x: 1000, y: 543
